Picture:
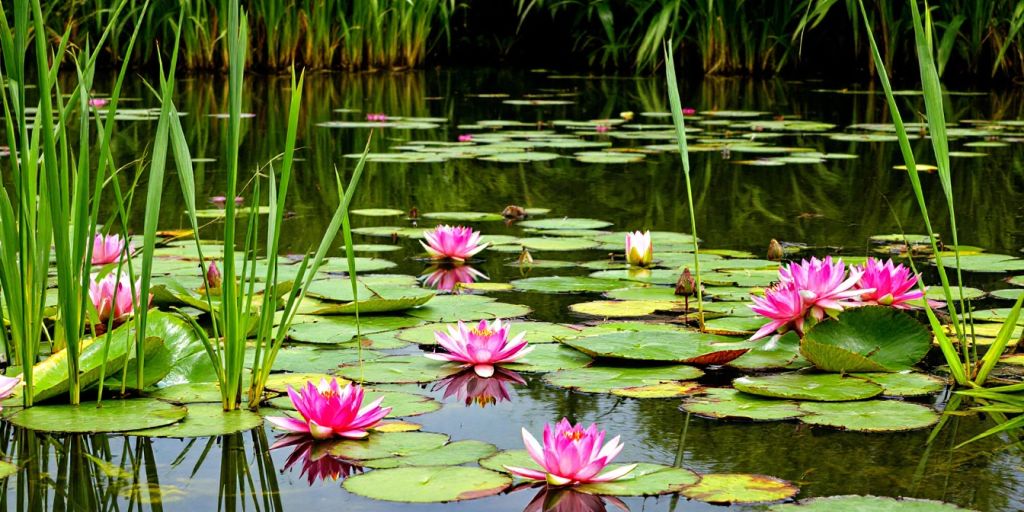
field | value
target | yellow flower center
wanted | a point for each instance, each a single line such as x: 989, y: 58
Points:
x: 485, y: 332
x: 574, y: 435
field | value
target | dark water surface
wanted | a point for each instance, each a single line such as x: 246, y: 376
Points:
x: 838, y: 204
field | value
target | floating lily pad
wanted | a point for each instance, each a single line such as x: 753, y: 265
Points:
x: 452, y: 454
x: 565, y: 223
x: 377, y: 212
x: 341, y: 329
x: 372, y: 299
x: 641, y: 275
x: 869, y: 415
x: 520, y: 157
x: 388, y: 444
x: 853, y: 503
x: 605, y: 379
x: 781, y: 353
x: 375, y: 247
x: 536, y: 332
x: 678, y: 346
x: 189, y: 393
x: 403, y: 369
x: 430, y: 484
x: 609, y: 157
x: 867, y: 339
x: 206, y: 420
x: 463, y: 216
x: 905, y: 383
x: 740, y: 488
x: 645, y: 480
x: 734, y: 325
x: 450, y: 308
x: 113, y: 416
x: 280, y: 382
x: 730, y: 403
x: 825, y: 387
x: 572, y: 284
x: 548, y: 358
x: 986, y: 262
x: 663, y: 390
x: 623, y: 308
x: 557, y: 243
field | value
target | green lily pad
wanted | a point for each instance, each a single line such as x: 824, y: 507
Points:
x: 734, y: 325
x: 521, y: 157
x: 565, y: 223
x: 465, y: 307
x: 740, y: 488
x: 316, y: 358
x: 783, y: 353
x: 372, y: 299
x: 557, y: 243
x: 377, y: 212
x: 113, y: 416
x: 571, y: 284
x: 538, y: 263
x: 536, y: 332
x: 985, y: 262
x: 728, y: 403
x: 429, y: 484
x: 189, y: 393
x: 663, y: 390
x: 825, y: 387
x: 402, y: 404
x: 670, y: 346
x: 867, y: 339
x: 279, y: 382
x: 340, y: 329
x: 381, y: 445
x: 605, y: 379
x: 463, y: 216
x: 206, y: 420
x: 645, y: 480
x: 7, y: 469
x: 869, y: 415
x: 651, y: 293
x: 402, y: 369
x: 623, y: 308
x: 451, y: 454
x: 854, y: 503
x: 549, y: 357
x: 905, y: 383
x: 609, y: 157
x: 375, y: 247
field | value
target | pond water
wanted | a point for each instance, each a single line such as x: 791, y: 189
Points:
x: 834, y: 206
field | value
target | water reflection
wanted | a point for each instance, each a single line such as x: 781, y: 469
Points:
x: 471, y: 388
x: 449, y: 278
x: 552, y: 499
x: 317, y: 462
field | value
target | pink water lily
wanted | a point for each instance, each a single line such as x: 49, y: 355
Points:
x: 376, y: 117
x: 571, y: 455
x: 213, y: 276
x: 602, y: 128
x: 567, y: 499
x: 317, y: 461
x: 783, y: 305
x: 824, y: 285
x: 466, y: 137
x: 471, y: 388
x: 887, y: 284
x: 112, y: 298
x: 330, y: 411
x: 107, y: 249
x: 221, y: 201
x: 8, y: 385
x: 456, y: 243
x: 689, y: 111
x: 481, y: 347
x: 639, y: 249
x: 448, y: 278
x: 98, y: 102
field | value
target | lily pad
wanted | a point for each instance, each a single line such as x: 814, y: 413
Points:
x: 463, y: 216
x: 675, y: 346
x: 536, y: 332
x: 781, y: 353
x: 402, y: 369
x: 605, y: 379
x: 729, y: 403
x: 740, y: 488
x: 429, y: 484
x: 645, y: 480
x: 623, y: 308
x: 869, y: 415
x: 548, y: 358
x: 867, y: 339
x: 206, y: 420
x: 557, y: 243
x: 377, y: 212
x: 340, y: 329
x: 825, y: 387
x: 854, y: 503
x: 452, y: 454
x: 572, y: 284
x: 372, y: 299
x: 388, y: 444
x: 450, y: 308
x: 565, y: 223
x: 905, y: 383
x: 113, y: 416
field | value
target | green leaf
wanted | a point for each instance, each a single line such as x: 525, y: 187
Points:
x: 112, y: 416
x: 431, y: 484
x: 740, y: 488
x: 827, y: 387
x: 852, y: 503
x: 726, y: 403
x: 680, y: 346
x: 452, y: 454
x: 381, y: 445
x: 206, y: 420
x: 867, y: 339
x: 605, y: 379
x: 869, y: 415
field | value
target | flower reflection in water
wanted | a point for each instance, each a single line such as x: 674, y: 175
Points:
x: 317, y: 461
x: 448, y: 278
x: 471, y: 388
x: 568, y: 500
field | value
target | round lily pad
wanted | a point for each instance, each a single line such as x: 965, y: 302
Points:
x: 341, y: 329
x: 905, y: 383
x: 570, y: 284
x: 729, y: 403
x: 388, y: 444
x: 450, y: 308
x: 375, y: 247
x: 609, y: 157
x: 430, y: 484
x: 451, y: 454
x: 663, y: 390
x: 402, y: 369
x: 869, y: 415
x: 740, y: 488
x: 825, y: 387
x: 206, y: 420
x: 867, y: 339
x: 112, y: 416
x: 565, y: 223
x: 604, y: 379
x: 623, y: 308
x: 520, y: 157
x: 377, y: 212
x: 854, y: 503
x: 645, y: 480
x: 557, y: 243
x: 279, y: 382
x: 535, y: 332
x: 675, y: 346
x: 780, y: 353
x: 463, y: 216
x: 549, y: 357
x: 189, y: 392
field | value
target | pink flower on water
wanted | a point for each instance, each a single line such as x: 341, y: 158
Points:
x: 8, y: 385
x: 465, y: 137
x: 457, y: 243
x: 376, y: 117
x: 571, y: 455
x: 112, y: 297
x: 330, y: 411
x: 221, y: 201
x: 481, y: 347
x: 602, y: 128
x: 471, y: 388
x: 823, y: 285
x: 98, y: 102
x: 887, y: 284
x: 107, y: 249
x: 639, y: 249
x: 213, y: 275
x: 689, y: 111
x: 317, y: 461
x: 783, y: 305
x: 448, y: 278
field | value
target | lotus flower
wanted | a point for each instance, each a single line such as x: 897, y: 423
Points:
x: 330, y: 411
x: 213, y: 276
x: 317, y: 461
x: 8, y: 385
x: 107, y: 249
x: 823, y: 285
x: 571, y: 500
x: 448, y: 278
x: 466, y: 137
x: 220, y: 201
x: 456, y: 243
x: 98, y: 102
x: 471, y: 388
x: 376, y: 117
x: 887, y: 284
x: 602, y: 128
x: 639, y: 249
x: 112, y: 297
x: 784, y: 306
x: 481, y: 347
x: 689, y: 111
x: 571, y: 455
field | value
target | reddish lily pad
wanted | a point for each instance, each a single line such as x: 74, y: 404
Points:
x: 731, y: 488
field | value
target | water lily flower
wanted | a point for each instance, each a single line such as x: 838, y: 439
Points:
x: 466, y: 137
x: 784, y: 306
x: 98, y: 102
x: 8, y: 385
x: 471, y: 388
x: 481, y: 347
x: 824, y: 284
x: 447, y: 278
x: 112, y: 298
x: 686, y: 285
x: 639, y: 249
x: 602, y: 128
x: 571, y: 455
x: 213, y: 275
x: 220, y: 201
x: 107, y: 249
x: 376, y: 117
x: 887, y: 284
x: 317, y: 461
x: 689, y: 111
x: 775, y: 251
x: 330, y: 411
x: 525, y: 258
x: 456, y: 243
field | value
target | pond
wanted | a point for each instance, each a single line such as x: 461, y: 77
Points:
x: 832, y: 191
